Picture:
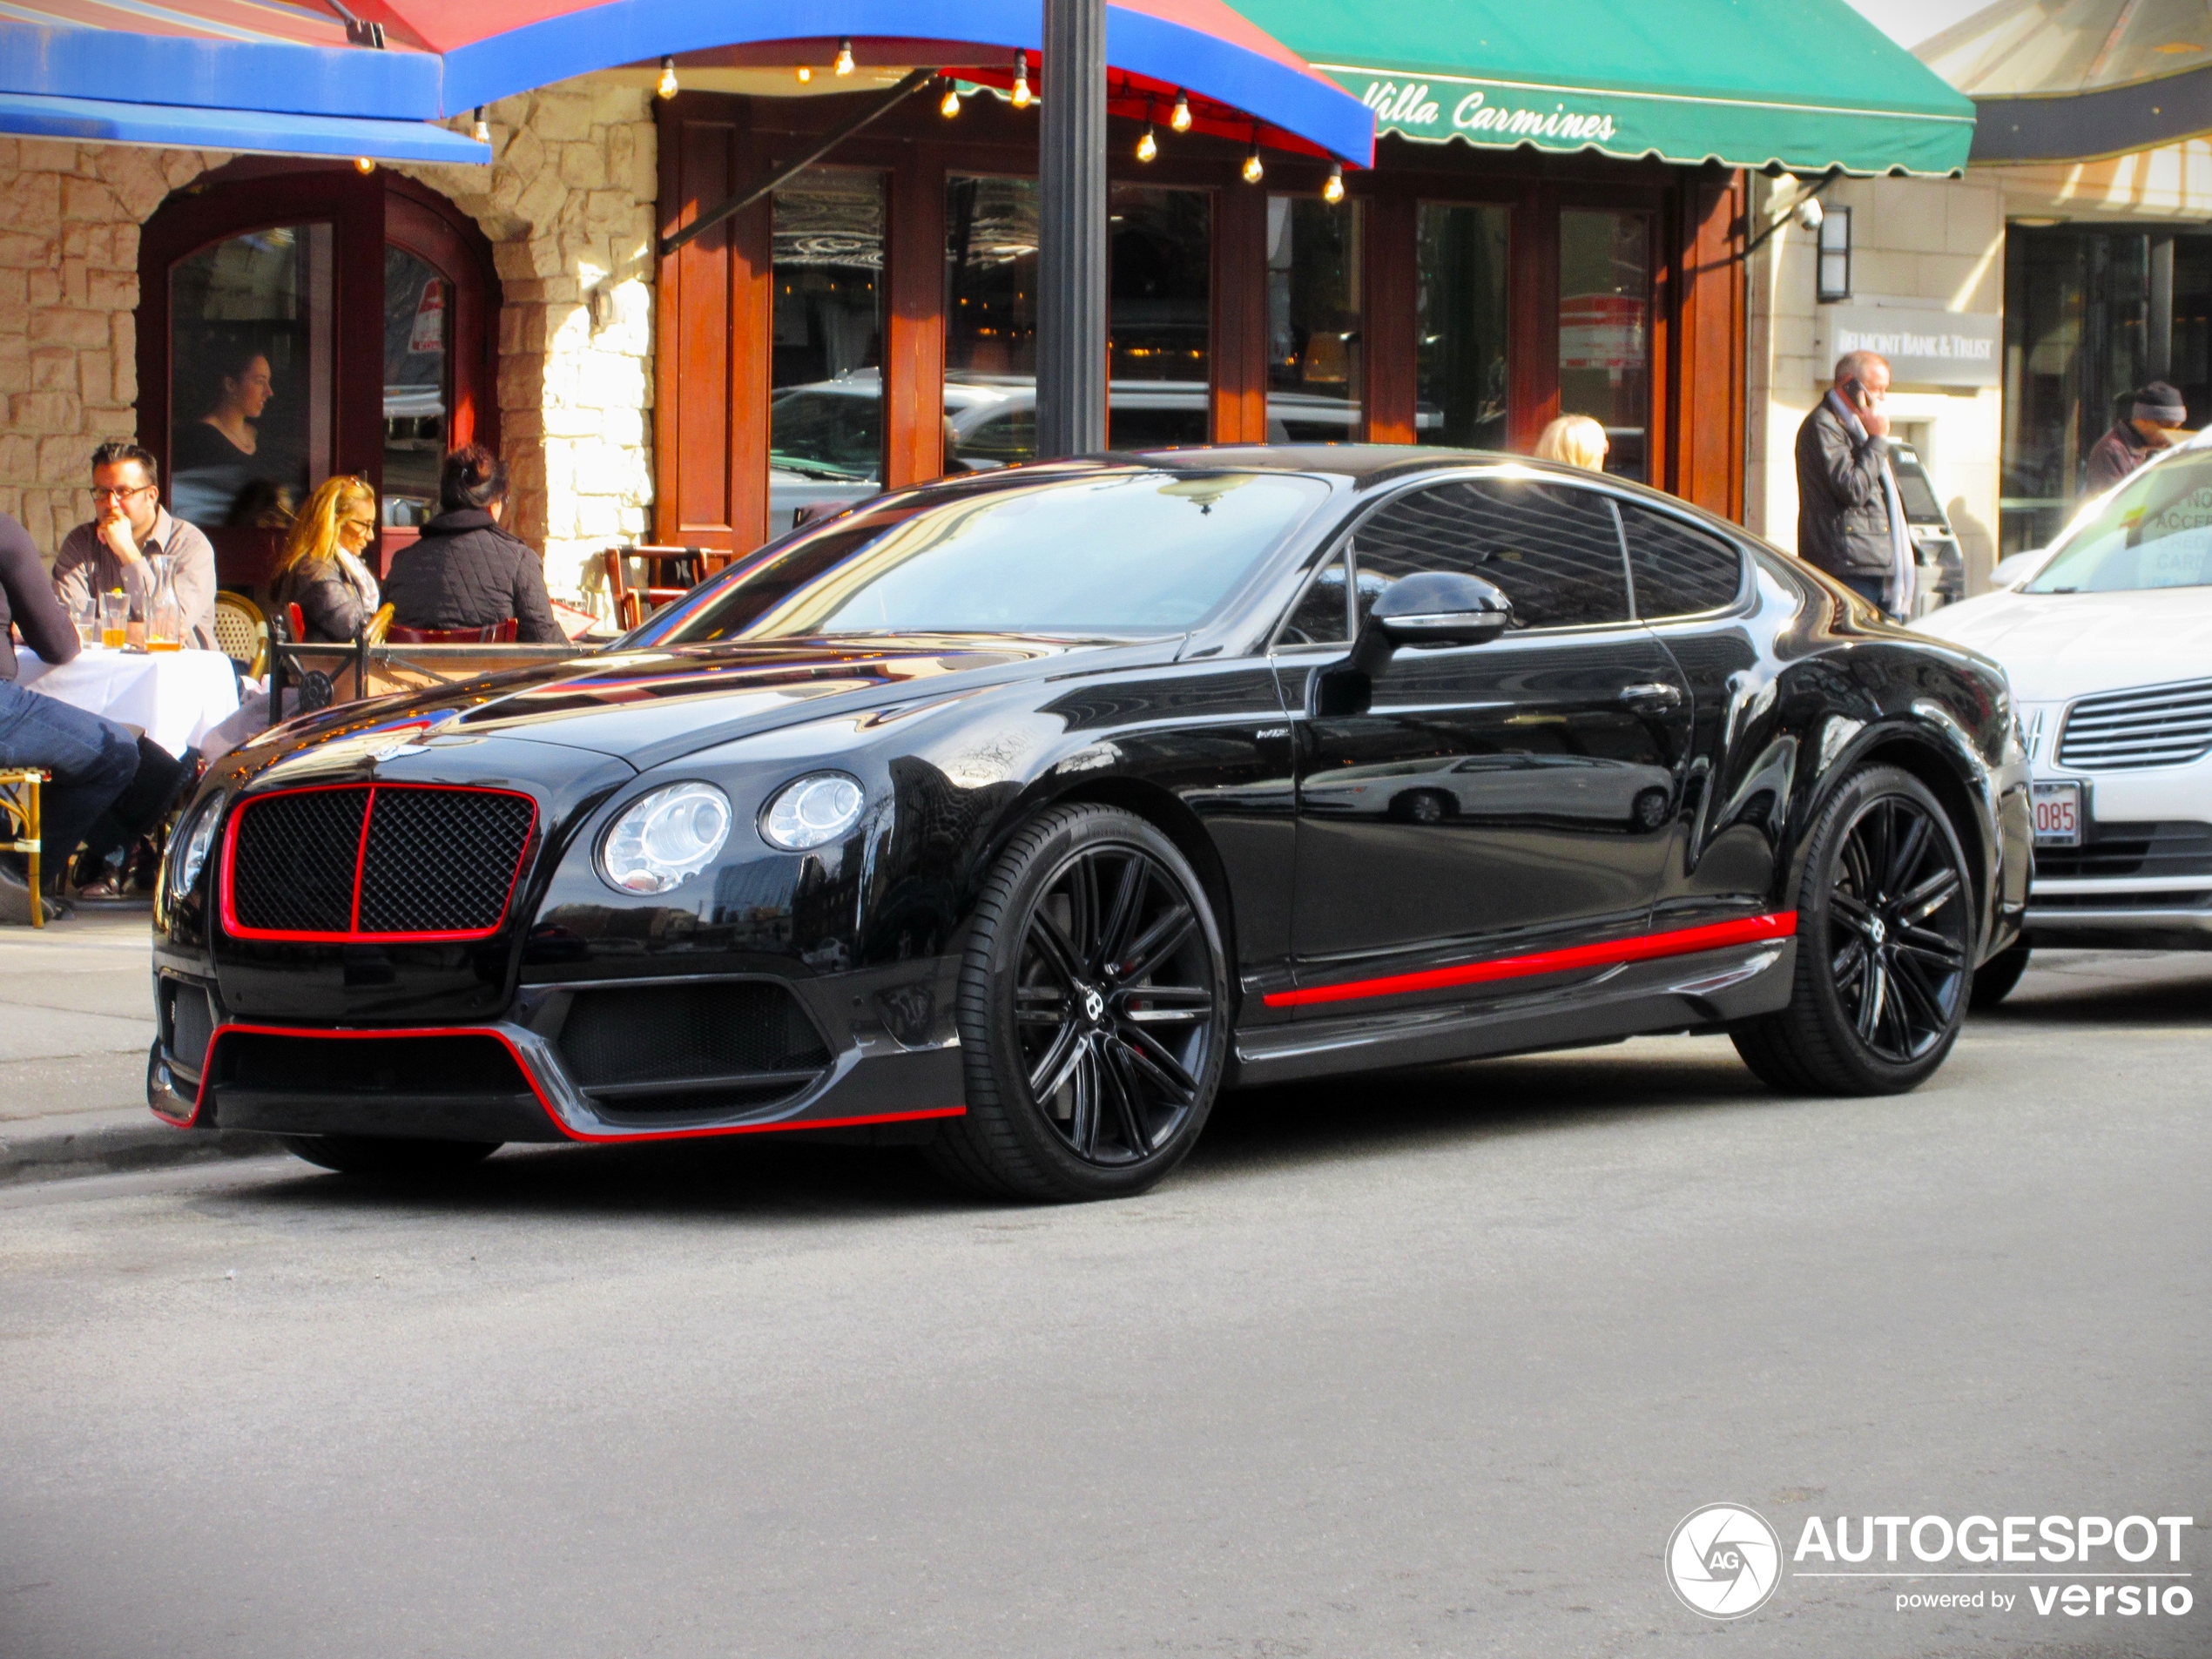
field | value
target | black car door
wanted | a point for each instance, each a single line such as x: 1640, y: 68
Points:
x: 1693, y: 590
x: 1494, y: 800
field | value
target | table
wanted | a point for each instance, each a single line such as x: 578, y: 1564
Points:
x: 171, y: 696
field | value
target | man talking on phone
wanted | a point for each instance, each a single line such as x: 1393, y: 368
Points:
x: 1851, y: 521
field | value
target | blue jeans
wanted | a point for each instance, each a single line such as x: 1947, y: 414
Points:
x: 91, y: 761
x: 1872, y: 589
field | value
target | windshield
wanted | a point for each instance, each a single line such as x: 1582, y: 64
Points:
x: 835, y: 434
x: 2155, y: 531
x: 1089, y: 554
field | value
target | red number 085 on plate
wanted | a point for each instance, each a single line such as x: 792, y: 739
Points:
x: 2057, y: 814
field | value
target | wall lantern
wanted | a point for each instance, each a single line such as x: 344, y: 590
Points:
x: 1835, y: 255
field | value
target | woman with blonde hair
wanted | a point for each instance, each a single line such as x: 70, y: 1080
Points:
x: 1575, y: 439
x: 322, y: 570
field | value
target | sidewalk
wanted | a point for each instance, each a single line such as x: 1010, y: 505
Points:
x: 76, y: 1020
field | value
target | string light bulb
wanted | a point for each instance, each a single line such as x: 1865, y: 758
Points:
x: 1148, y: 146
x: 1180, y: 120
x: 949, y: 105
x: 1332, y: 186
x: 806, y: 73
x: 1254, y: 171
x: 482, y: 130
x: 666, y: 85
x: 844, y: 63
x: 1021, y: 80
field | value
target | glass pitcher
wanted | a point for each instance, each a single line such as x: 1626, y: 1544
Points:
x: 164, y: 611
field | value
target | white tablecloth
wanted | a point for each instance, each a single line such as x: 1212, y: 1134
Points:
x: 171, y: 696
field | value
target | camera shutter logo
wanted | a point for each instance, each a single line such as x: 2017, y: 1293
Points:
x: 1723, y: 1561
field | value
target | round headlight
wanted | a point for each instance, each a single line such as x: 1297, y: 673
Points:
x: 666, y: 838
x: 809, y: 811
x: 190, y: 856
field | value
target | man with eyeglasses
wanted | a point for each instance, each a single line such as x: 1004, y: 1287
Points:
x: 129, y: 524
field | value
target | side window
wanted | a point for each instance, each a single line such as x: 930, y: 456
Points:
x: 1319, y: 617
x: 1554, y: 548
x: 1679, y: 571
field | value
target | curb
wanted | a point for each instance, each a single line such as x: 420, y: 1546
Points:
x: 110, y: 1142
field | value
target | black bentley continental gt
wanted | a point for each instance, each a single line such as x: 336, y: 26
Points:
x: 1020, y: 814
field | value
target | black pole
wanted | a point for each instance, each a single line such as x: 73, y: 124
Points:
x: 1072, y: 253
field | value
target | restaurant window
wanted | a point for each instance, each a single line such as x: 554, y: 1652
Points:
x: 826, y: 404
x: 1462, y: 319
x: 1159, y: 339
x: 417, y: 386
x: 1605, y: 328
x: 250, y: 396
x: 1313, y: 319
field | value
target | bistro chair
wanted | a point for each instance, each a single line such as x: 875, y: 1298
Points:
x: 497, y: 633
x: 242, y: 632
x: 660, y: 567
x: 19, y: 818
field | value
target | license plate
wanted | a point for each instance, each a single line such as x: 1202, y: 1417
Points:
x: 2057, y: 814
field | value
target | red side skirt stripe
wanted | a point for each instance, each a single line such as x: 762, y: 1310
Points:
x: 207, y: 1071
x: 1681, y: 942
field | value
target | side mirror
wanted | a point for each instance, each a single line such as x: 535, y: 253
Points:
x: 1430, y: 608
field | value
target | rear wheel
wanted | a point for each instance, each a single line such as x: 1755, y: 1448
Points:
x: 1884, y: 937
x: 1093, y: 1013
x: 1994, y: 979
x: 389, y: 1158
x: 1422, y: 806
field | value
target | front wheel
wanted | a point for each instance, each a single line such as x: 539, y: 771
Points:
x: 1094, y: 1013
x: 388, y: 1158
x: 1885, y: 941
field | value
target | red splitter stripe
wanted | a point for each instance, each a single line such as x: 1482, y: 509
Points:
x: 1682, y: 941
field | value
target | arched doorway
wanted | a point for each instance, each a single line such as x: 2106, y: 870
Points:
x: 299, y: 320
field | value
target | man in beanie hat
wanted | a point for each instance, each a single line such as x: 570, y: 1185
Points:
x: 2153, y: 421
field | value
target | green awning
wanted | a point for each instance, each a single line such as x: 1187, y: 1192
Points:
x: 1807, y: 83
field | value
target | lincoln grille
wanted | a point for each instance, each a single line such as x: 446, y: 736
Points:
x: 376, y: 861
x: 2162, y: 726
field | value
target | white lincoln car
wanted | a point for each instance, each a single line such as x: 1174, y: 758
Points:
x: 2108, y: 643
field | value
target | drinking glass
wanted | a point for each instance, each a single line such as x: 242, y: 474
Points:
x: 115, y: 619
x: 86, y: 613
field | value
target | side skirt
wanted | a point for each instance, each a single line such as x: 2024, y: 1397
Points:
x: 1711, y: 989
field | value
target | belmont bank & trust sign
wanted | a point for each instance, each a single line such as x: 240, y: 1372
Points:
x: 1925, y: 346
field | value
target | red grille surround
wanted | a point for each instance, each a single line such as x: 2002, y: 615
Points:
x: 429, y: 863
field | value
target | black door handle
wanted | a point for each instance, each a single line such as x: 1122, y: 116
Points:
x: 1652, y: 694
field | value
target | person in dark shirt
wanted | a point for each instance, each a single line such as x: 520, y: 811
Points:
x: 466, y: 572
x: 91, y: 761
x: 2154, y: 422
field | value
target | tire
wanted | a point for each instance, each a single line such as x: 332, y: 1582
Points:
x: 1994, y: 979
x: 1648, y: 810
x: 390, y: 1158
x: 1421, y: 806
x: 1093, y: 1012
x: 1884, y: 935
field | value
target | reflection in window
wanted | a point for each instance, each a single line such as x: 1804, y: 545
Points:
x: 1159, y: 336
x: 249, y: 394
x: 1605, y: 329
x: 1461, y: 317
x: 826, y: 413
x: 415, y: 385
x: 1314, y: 320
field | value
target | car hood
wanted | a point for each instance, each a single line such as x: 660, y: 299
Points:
x: 2056, y: 646
x: 649, y: 707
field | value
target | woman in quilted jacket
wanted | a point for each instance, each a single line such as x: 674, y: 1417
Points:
x: 466, y: 571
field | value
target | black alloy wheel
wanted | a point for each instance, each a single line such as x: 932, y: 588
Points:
x: 1094, y: 1013
x: 1885, y: 932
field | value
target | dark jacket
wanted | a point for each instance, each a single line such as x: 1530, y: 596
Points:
x: 332, y: 608
x: 2115, y: 455
x: 27, y: 600
x: 1843, y: 514
x: 467, y: 572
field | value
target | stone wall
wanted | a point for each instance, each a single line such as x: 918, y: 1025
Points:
x: 68, y: 284
x: 569, y: 204
x: 1926, y: 242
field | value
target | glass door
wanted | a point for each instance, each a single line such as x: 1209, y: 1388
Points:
x: 1605, y: 329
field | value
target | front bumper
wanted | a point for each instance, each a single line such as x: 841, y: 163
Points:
x: 894, y: 1058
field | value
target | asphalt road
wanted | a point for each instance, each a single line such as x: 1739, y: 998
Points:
x: 1432, y: 1364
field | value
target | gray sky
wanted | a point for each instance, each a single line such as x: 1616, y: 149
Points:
x: 1910, y: 22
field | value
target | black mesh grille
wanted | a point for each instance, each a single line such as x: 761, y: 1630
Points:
x: 667, y: 1033
x: 308, y: 1066
x: 294, y: 867
x: 189, y: 1024
x: 440, y: 860
x: 435, y: 860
